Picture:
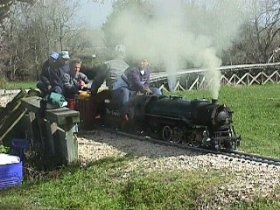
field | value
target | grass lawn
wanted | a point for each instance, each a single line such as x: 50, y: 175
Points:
x: 17, y: 85
x: 102, y: 185
x: 256, y: 115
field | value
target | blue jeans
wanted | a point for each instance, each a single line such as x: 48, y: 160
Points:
x: 122, y: 95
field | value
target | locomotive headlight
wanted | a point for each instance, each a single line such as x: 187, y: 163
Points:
x: 223, y: 118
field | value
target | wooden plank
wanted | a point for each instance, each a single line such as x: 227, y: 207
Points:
x: 30, y: 131
x: 59, y: 115
x: 8, y: 111
x: 10, y: 124
x: 63, y: 115
x: 32, y: 103
x: 13, y: 103
x: 11, y: 107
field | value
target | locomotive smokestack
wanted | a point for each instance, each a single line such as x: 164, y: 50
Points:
x: 214, y: 101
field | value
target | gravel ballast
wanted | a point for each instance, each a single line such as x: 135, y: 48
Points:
x: 249, y: 181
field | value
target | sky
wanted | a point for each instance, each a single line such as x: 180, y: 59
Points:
x: 179, y: 32
x: 93, y: 13
x: 176, y: 33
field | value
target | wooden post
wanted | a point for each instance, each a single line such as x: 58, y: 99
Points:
x: 51, y: 129
x: 56, y: 131
x: 68, y: 146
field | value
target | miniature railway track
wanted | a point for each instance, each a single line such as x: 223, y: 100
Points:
x: 240, y: 156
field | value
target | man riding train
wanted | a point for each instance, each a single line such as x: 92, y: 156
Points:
x: 135, y: 80
x: 129, y: 82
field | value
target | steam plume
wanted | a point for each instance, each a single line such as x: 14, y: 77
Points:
x: 180, y: 32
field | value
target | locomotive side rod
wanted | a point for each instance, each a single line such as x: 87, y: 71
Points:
x: 241, y: 156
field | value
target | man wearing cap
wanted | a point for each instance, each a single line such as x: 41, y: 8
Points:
x: 134, y: 80
x: 64, y: 61
x: 45, y: 83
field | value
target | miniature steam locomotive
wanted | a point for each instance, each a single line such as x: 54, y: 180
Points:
x: 198, y: 123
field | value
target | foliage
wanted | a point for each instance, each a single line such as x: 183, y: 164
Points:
x: 33, y: 32
x: 3, y: 83
x: 17, y: 85
x: 259, y: 37
x: 5, y: 7
x: 4, y: 149
x: 30, y: 33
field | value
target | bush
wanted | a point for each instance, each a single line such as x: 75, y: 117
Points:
x: 4, y: 149
x: 3, y: 82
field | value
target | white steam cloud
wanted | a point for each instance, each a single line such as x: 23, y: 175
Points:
x: 180, y: 32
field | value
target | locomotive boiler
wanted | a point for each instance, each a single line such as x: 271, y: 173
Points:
x: 198, y: 123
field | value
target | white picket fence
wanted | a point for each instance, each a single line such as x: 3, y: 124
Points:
x: 189, y: 79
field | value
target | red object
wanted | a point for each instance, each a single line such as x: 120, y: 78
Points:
x: 71, y: 104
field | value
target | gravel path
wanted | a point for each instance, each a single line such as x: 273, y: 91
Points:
x: 249, y: 180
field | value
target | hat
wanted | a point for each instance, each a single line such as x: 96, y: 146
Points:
x: 64, y: 55
x: 54, y: 55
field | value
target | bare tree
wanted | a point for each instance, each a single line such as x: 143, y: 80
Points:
x: 32, y: 32
x: 266, y: 28
x: 260, y: 37
x: 6, y: 4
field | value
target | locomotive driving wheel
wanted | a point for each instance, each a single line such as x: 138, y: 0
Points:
x: 167, y: 133
x: 177, y: 136
x: 195, y: 138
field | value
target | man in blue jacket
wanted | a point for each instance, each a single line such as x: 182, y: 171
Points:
x: 50, y: 77
x: 133, y: 81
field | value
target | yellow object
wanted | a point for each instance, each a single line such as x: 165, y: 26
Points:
x: 84, y: 95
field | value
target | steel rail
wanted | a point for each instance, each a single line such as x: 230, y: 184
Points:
x: 233, y: 154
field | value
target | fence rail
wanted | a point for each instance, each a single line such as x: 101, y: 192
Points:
x: 189, y: 79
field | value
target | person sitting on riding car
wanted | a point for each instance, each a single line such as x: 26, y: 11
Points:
x: 50, y: 77
x: 75, y: 81
x: 133, y: 81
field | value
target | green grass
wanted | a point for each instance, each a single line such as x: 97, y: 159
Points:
x: 103, y: 184
x: 260, y: 204
x: 256, y: 115
x: 16, y: 85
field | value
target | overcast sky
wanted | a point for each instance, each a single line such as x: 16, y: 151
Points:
x: 94, y: 14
